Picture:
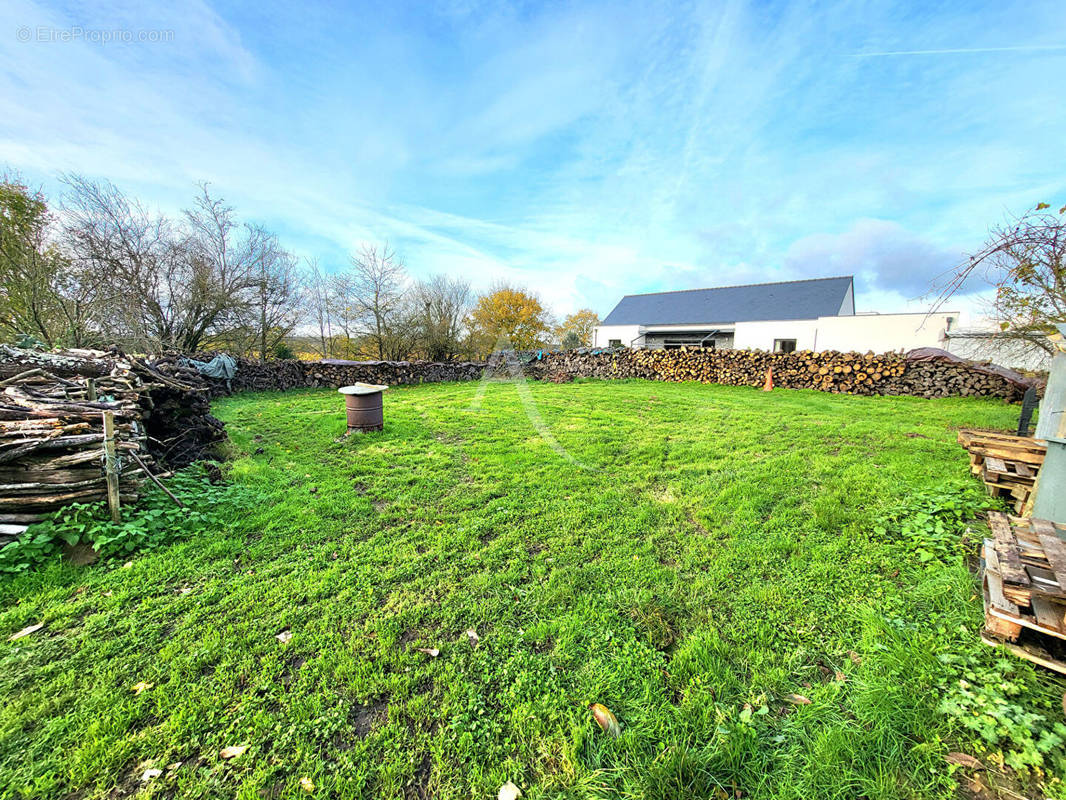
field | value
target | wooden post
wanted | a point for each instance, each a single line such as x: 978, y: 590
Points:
x: 90, y: 390
x: 111, y: 466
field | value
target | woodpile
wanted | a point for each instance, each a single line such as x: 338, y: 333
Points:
x: 1008, y: 464
x: 850, y: 373
x: 1024, y: 587
x: 52, y: 425
x: 52, y: 433
x: 336, y: 373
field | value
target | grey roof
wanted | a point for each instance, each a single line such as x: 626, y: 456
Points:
x: 821, y: 297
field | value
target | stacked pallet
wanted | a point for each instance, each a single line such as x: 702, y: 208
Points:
x: 1024, y: 587
x: 1007, y: 464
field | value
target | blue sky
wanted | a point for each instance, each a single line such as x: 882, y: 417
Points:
x: 585, y: 150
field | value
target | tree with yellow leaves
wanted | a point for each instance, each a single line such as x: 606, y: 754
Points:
x: 512, y: 313
x: 578, y: 328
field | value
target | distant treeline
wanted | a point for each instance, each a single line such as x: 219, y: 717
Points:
x: 99, y: 268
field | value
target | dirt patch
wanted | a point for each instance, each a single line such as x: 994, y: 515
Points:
x: 80, y: 555
x: 417, y: 788
x: 362, y: 719
x: 292, y: 668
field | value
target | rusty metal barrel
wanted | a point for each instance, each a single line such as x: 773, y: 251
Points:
x: 363, y: 403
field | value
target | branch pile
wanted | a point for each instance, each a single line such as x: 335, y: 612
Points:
x: 51, y: 431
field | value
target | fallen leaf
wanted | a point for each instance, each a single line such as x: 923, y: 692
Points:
x: 509, y: 792
x: 307, y: 784
x: 432, y: 652
x: 149, y: 774
x: 964, y: 760
x: 855, y: 657
x: 797, y: 699
x: 173, y: 766
x: 284, y: 636
x: 25, y: 632
x: 137, y: 688
x: 235, y: 751
x: 841, y: 677
x: 472, y: 635
x: 127, y: 565
x: 108, y: 593
x: 607, y: 721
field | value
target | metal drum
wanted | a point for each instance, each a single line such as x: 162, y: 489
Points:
x: 363, y: 403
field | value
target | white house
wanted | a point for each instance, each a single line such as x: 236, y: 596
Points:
x: 816, y: 314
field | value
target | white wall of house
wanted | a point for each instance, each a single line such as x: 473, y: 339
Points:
x: 760, y: 335
x: 978, y: 345
x: 881, y: 333
x: 884, y: 333
x: 624, y: 333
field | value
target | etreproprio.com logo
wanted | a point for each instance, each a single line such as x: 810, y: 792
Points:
x: 76, y: 33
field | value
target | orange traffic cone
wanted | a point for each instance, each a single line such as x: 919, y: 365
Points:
x: 769, y: 385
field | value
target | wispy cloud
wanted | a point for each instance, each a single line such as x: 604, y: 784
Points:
x: 587, y: 150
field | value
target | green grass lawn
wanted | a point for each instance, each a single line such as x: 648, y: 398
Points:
x: 699, y: 554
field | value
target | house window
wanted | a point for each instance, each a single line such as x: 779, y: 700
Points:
x: 784, y: 345
x: 614, y: 342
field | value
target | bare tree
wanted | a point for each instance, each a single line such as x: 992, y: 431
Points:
x: 345, y: 312
x: 138, y: 259
x: 319, y: 305
x: 180, y: 284
x: 273, y: 301
x: 1025, y: 260
x: 379, y: 290
x: 440, y: 306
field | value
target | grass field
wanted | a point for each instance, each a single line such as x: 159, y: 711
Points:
x: 699, y: 559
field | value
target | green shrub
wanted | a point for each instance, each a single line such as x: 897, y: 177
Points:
x: 931, y: 522
x: 154, y: 521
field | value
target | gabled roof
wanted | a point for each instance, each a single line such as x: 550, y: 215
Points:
x: 820, y: 297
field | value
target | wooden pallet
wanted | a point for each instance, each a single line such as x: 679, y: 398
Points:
x: 969, y: 437
x: 1008, y: 464
x: 1023, y: 581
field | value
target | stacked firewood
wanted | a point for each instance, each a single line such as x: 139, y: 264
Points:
x: 51, y: 435
x: 51, y: 425
x: 177, y: 409
x: 851, y: 373
x: 389, y: 373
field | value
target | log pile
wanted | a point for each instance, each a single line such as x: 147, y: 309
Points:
x: 830, y: 371
x: 51, y: 433
x: 51, y: 425
x: 336, y: 373
x: 177, y: 410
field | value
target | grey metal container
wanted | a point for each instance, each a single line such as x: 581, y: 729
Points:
x: 1054, y: 400
x: 1050, y: 500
